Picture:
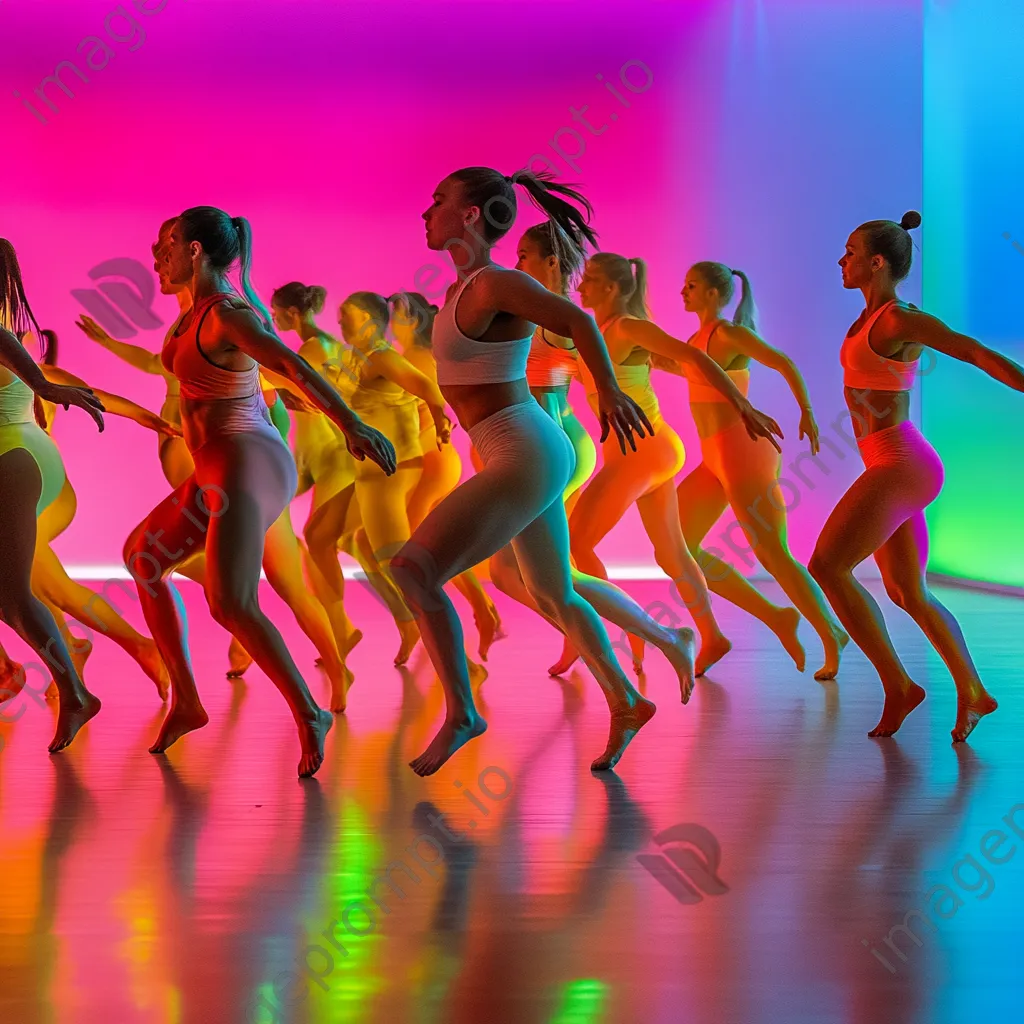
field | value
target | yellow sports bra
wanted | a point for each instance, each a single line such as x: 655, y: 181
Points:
x: 633, y: 378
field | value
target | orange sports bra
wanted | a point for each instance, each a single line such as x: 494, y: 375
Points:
x: 864, y: 369
x: 701, y: 392
x: 550, y: 366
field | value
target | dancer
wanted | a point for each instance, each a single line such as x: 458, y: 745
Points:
x: 481, y: 340
x: 882, y: 513
x: 742, y: 474
x: 282, y: 559
x: 31, y: 478
x: 244, y: 474
x: 412, y: 320
x: 382, y: 388
x: 554, y: 259
x: 50, y: 581
x: 618, y: 297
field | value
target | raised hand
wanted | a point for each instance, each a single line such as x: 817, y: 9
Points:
x: 620, y: 413
x: 91, y: 329
x: 84, y: 398
x: 365, y: 442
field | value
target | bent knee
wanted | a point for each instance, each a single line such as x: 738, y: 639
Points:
x: 228, y: 610
x: 909, y: 598
x: 414, y: 573
x: 821, y: 568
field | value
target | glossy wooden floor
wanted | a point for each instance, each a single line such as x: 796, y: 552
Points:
x: 211, y: 886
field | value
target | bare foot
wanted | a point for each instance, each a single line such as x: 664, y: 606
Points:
x: 350, y: 642
x: 239, y: 660
x: 12, y: 680
x: 785, y: 628
x: 896, y: 710
x: 71, y: 718
x: 637, y: 647
x: 410, y: 634
x: 488, y: 630
x: 568, y: 658
x: 339, y: 690
x: 80, y: 651
x: 181, y: 719
x: 833, y: 652
x: 680, y: 654
x: 477, y: 673
x: 153, y: 665
x: 625, y: 724
x: 712, y: 652
x: 449, y: 738
x: 970, y: 713
x: 312, y: 736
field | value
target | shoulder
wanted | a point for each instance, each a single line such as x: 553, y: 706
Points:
x: 735, y: 334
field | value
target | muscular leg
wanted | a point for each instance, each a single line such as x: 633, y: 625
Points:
x: 702, y: 501
x: 767, y: 537
x: 542, y: 551
x: 477, y: 519
x: 383, y: 507
x: 282, y: 562
x: 867, y: 515
x: 158, y: 545
x: 659, y: 510
x: 234, y: 554
x: 323, y: 531
x: 20, y: 487
x: 902, y: 560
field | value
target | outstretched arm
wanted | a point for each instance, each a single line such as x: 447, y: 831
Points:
x: 930, y: 331
x: 247, y: 332
x: 747, y: 343
x: 18, y: 361
x: 512, y: 291
x: 140, y: 358
x: 651, y: 337
x: 114, y: 404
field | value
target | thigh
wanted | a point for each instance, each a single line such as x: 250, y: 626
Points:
x: 384, y: 507
x: 176, y: 460
x: 479, y: 518
x: 171, y: 534
x: 659, y: 512
x: 20, y: 486
x: 330, y: 518
x: 867, y: 515
x: 701, y: 501
x: 56, y: 518
x: 903, y: 558
x: 617, y: 485
x: 235, y: 548
x: 542, y: 552
x: 663, y: 455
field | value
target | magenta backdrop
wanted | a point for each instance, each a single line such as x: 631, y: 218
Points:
x: 760, y: 135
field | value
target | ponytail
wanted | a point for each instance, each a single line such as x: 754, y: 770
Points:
x: 636, y: 304
x: 746, y: 311
x: 494, y: 193
x: 720, y: 277
x: 244, y: 232
x: 631, y: 277
x: 16, y: 314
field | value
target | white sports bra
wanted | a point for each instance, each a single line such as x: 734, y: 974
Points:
x: 462, y: 360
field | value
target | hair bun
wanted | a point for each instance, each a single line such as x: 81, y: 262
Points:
x: 911, y: 219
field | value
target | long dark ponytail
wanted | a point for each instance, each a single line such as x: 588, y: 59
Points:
x: 15, y: 313
x: 568, y: 211
x: 224, y: 240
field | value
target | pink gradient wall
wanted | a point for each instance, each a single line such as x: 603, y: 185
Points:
x: 761, y: 134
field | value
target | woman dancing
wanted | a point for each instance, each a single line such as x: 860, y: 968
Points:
x: 882, y: 514
x: 554, y: 259
x: 322, y: 458
x: 616, y: 290
x: 412, y: 321
x: 50, y: 581
x: 481, y: 340
x: 244, y: 474
x: 382, y: 388
x: 31, y: 478
x: 740, y: 473
x: 282, y: 560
